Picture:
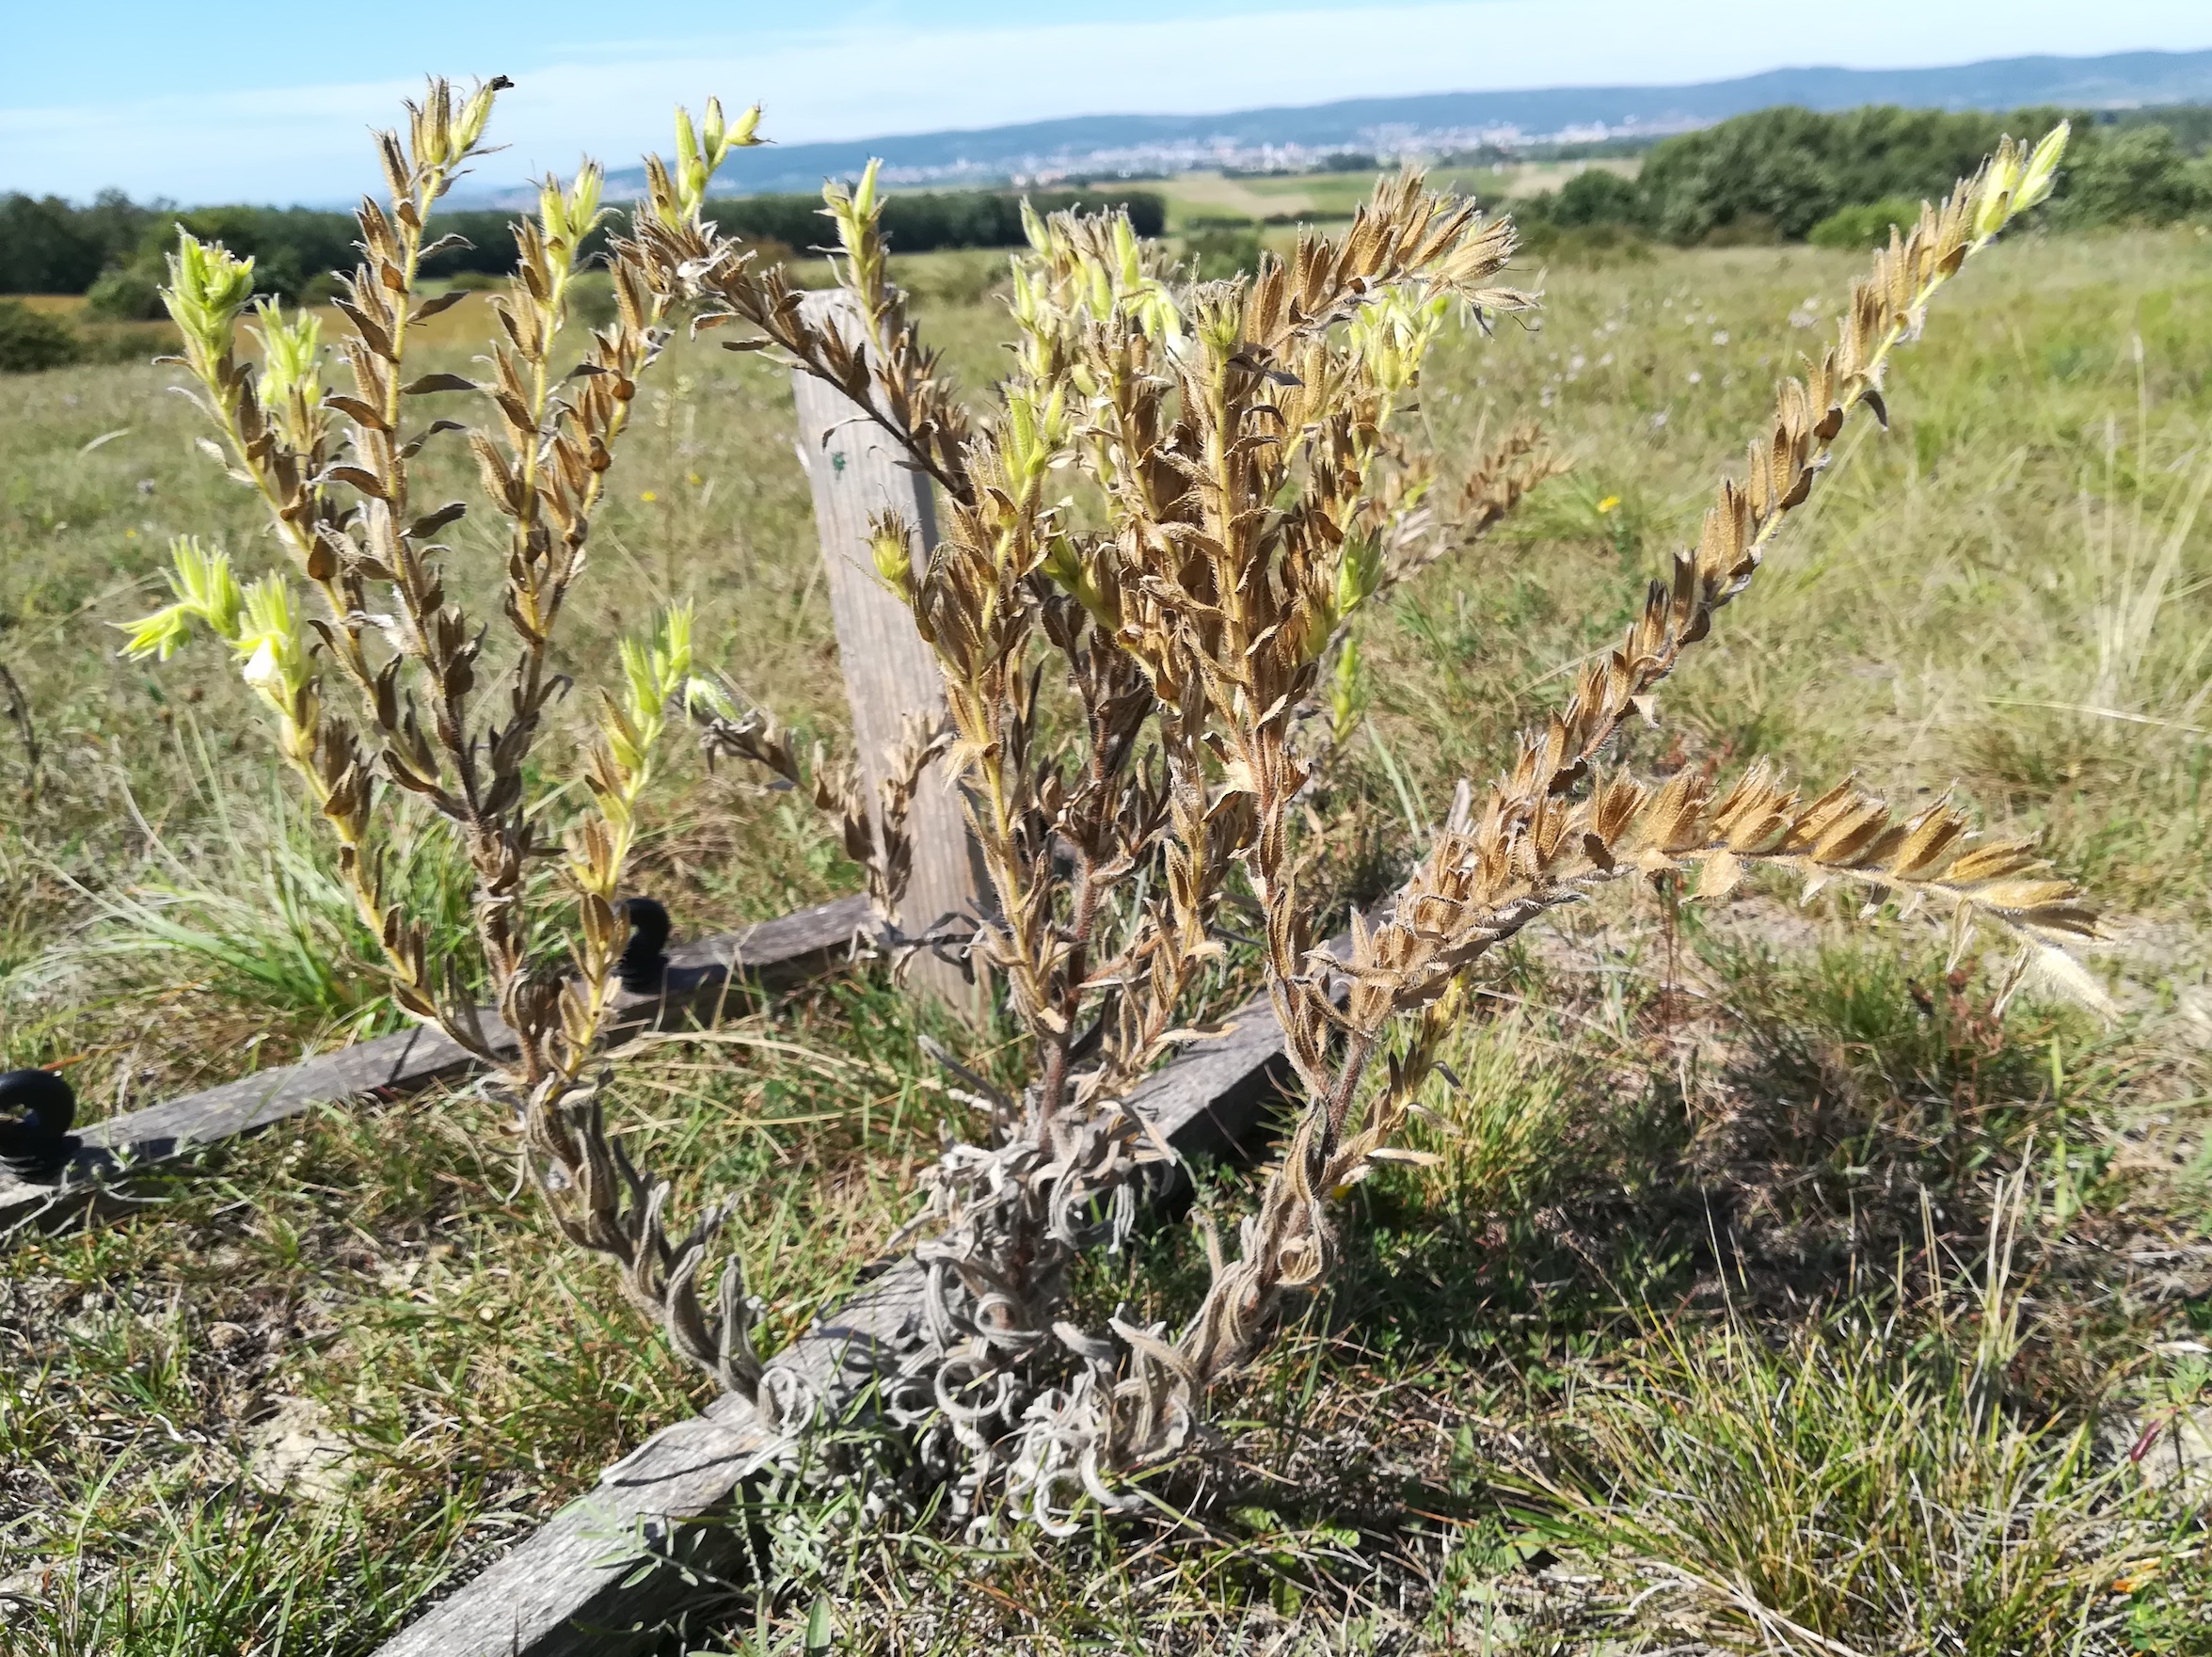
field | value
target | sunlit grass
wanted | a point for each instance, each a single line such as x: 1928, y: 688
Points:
x: 1769, y: 1126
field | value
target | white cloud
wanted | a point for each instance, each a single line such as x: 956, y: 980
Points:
x: 307, y: 143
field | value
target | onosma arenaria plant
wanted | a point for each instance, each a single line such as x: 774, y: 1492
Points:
x: 1153, y: 546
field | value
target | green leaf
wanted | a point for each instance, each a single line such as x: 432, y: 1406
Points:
x: 821, y: 1631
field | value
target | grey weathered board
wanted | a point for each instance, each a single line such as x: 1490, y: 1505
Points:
x: 577, y: 1584
x: 857, y: 473
x: 776, y: 952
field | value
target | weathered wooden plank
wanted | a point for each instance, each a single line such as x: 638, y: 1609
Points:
x: 577, y: 1585
x: 700, y: 976
x: 566, y: 1591
x: 858, y: 473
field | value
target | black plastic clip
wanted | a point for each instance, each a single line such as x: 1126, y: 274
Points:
x: 37, y: 1143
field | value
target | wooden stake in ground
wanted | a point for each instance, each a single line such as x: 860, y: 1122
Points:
x: 889, y: 672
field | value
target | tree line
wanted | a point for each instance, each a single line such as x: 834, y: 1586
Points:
x: 1782, y: 174
x: 113, y: 247
x: 1791, y: 174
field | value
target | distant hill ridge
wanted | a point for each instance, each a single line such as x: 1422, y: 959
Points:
x: 2121, y: 80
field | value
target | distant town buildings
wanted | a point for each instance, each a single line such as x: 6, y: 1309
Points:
x: 1388, y: 145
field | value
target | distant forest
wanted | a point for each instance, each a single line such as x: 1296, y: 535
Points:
x: 113, y: 247
x: 1781, y: 174
x: 1790, y: 174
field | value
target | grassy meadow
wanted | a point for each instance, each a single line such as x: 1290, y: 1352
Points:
x: 1772, y: 1292
x: 1323, y: 197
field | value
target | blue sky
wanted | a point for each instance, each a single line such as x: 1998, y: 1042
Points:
x: 165, y: 100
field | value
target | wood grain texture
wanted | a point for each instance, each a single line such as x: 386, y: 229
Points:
x: 857, y: 473
x: 577, y: 1585
x: 700, y: 978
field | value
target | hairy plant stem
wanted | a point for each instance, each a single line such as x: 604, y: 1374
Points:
x: 545, y: 483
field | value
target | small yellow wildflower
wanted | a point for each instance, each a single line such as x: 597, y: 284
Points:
x: 1608, y: 504
x: 693, y: 479
x: 648, y: 497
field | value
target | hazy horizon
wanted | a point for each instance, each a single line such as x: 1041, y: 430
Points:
x: 80, y: 113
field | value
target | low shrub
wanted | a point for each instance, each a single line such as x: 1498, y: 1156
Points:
x: 125, y: 295
x: 1864, y: 225
x: 1215, y: 255
x: 1599, y: 197
x: 31, y: 341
